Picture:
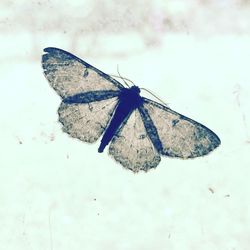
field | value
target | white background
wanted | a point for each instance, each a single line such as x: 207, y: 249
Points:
x: 59, y: 193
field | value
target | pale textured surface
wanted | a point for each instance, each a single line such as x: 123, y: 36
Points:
x: 179, y: 135
x: 132, y: 147
x: 86, y: 121
x: 68, y: 76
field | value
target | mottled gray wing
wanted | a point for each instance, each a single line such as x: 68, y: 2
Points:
x: 132, y: 147
x: 69, y: 75
x: 175, y: 135
x: 86, y: 121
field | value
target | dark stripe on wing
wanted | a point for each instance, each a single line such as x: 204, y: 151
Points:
x: 150, y: 128
x: 91, y: 96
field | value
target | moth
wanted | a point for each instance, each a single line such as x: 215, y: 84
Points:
x: 138, y: 130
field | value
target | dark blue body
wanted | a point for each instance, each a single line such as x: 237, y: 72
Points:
x: 129, y: 100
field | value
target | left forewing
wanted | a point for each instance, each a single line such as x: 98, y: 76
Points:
x: 132, y: 147
x: 69, y: 75
x: 175, y: 135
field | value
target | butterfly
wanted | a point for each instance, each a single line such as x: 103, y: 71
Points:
x: 138, y: 130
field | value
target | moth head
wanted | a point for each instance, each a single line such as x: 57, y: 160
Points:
x: 132, y: 93
x: 135, y: 89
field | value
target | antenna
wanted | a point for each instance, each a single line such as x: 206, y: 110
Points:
x: 123, y: 78
x: 155, y: 96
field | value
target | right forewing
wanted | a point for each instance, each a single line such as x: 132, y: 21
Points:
x: 86, y: 121
x: 132, y: 147
x: 175, y: 135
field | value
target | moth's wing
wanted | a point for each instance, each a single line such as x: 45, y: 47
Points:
x: 86, y: 121
x: 69, y: 75
x: 132, y: 147
x: 175, y: 135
